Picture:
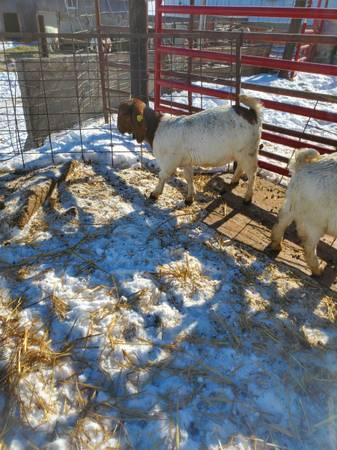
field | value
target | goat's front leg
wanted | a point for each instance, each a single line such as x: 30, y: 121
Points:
x: 164, y: 175
x: 188, y: 174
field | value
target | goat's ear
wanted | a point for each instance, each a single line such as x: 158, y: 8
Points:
x: 138, y: 121
x: 124, y: 121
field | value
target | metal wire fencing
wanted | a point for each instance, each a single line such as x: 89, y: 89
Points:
x: 59, y: 100
x: 59, y: 93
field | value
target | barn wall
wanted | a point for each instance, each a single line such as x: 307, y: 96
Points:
x: 113, y: 13
x: 25, y: 10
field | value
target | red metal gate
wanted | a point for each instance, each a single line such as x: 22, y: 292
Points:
x: 272, y: 133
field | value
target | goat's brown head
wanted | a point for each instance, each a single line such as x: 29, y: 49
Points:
x: 131, y: 119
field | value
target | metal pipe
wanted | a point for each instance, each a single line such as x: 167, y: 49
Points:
x: 258, y: 61
x: 238, y: 71
x: 251, y: 11
x: 101, y: 60
x: 247, y: 36
x: 285, y: 107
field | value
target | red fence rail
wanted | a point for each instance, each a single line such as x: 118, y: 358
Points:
x: 249, y: 11
x: 271, y: 133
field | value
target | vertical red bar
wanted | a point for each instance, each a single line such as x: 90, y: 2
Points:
x: 321, y: 23
x: 157, y: 56
x: 190, y: 62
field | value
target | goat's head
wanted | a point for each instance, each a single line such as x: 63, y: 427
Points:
x: 131, y: 119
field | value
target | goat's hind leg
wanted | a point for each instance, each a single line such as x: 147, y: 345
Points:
x: 310, y: 237
x: 311, y: 257
x: 188, y: 174
x: 283, y: 221
x: 250, y: 167
x: 236, y: 175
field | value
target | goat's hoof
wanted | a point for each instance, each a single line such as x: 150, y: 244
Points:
x: 317, y: 273
x: 274, y: 249
x: 247, y: 202
x: 188, y: 201
x: 153, y: 197
x: 233, y: 184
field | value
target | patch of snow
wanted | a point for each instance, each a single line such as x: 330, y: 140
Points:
x: 159, y: 359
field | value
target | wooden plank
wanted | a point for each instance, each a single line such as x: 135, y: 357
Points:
x: 251, y: 225
x: 39, y: 192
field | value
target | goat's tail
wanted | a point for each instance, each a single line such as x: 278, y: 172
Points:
x: 252, y: 103
x: 303, y: 156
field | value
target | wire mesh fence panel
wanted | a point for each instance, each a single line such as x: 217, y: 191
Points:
x: 53, y: 106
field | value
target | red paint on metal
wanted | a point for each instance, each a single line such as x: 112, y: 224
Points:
x: 305, y: 43
x: 283, y: 140
x: 278, y: 106
x: 252, y: 11
x: 157, y: 56
x: 273, y: 168
x: 258, y: 61
x: 196, y: 89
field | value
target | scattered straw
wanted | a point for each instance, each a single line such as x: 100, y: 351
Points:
x: 26, y: 351
x: 327, y: 309
x: 60, y: 307
x: 187, y: 272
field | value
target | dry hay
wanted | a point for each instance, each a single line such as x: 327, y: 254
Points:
x: 36, y: 355
x: 26, y: 352
x: 96, y: 428
x: 60, y: 306
x: 187, y: 273
x: 327, y: 308
x: 252, y: 442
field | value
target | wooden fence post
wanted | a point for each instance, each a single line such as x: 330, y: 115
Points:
x: 138, y: 22
x: 43, y: 41
x: 290, y: 47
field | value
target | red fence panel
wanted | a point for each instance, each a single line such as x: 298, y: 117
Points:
x: 281, y: 136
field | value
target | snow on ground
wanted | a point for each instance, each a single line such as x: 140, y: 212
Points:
x: 96, y: 141
x: 5, y: 45
x: 127, y: 324
x: 12, y: 122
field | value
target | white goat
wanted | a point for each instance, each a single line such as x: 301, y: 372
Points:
x: 210, y: 138
x: 311, y: 201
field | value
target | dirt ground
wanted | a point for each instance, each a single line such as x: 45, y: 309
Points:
x: 252, y: 224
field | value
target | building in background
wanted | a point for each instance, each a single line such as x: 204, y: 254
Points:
x: 59, y: 15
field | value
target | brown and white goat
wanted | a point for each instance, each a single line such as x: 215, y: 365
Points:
x: 210, y: 138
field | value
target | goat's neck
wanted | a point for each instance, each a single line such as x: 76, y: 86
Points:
x: 152, y: 119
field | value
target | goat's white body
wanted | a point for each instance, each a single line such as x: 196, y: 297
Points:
x: 210, y: 138
x: 311, y: 201
x: 312, y: 194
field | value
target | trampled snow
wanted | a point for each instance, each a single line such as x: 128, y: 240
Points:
x: 177, y: 337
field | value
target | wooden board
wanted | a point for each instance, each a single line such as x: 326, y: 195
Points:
x: 251, y: 225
